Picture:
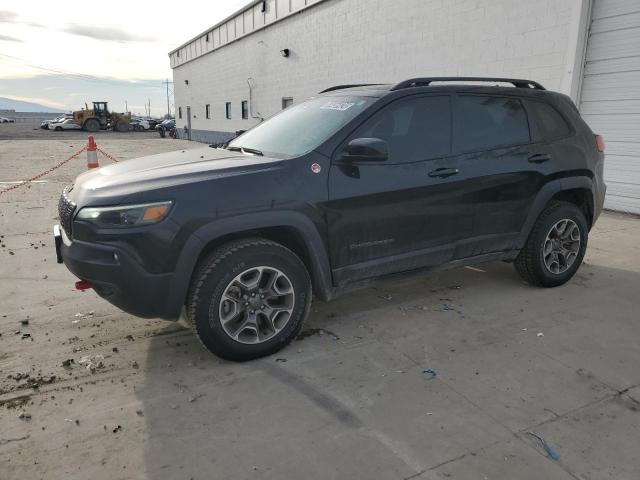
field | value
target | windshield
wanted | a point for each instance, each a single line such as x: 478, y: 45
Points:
x: 301, y: 128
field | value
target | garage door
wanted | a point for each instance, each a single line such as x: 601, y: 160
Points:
x: 610, y: 100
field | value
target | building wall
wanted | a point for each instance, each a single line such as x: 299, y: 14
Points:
x: 363, y: 41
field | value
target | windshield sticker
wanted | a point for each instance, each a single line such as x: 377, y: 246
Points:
x: 337, y: 106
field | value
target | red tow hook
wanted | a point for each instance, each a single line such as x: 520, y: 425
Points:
x: 83, y: 285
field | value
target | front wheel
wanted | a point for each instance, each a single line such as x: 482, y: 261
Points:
x: 555, y: 247
x: 248, y: 299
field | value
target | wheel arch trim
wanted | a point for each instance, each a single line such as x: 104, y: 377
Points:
x: 193, y: 248
x: 543, y: 197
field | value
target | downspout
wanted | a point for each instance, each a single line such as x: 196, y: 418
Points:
x: 577, y: 50
x: 253, y: 114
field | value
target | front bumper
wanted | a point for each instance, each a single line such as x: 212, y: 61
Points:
x: 116, y: 276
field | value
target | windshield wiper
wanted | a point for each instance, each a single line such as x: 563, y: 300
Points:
x: 252, y: 151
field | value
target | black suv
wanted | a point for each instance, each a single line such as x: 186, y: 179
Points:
x: 355, y: 183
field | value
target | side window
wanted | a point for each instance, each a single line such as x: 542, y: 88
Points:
x: 415, y: 128
x: 485, y: 123
x: 550, y: 123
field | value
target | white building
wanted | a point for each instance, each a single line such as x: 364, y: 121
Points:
x: 274, y: 52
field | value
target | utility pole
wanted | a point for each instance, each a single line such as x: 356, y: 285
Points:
x: 126, y: 107
x: 168, y: 111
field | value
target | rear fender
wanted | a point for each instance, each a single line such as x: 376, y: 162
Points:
x: 545, y: 195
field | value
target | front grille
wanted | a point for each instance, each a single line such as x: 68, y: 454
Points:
x: 65, y: 210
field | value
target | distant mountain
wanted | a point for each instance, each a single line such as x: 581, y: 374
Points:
x: 20, y: 106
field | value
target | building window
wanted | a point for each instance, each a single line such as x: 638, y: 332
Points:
x: 245, y: 109
x: 178, y: 53
x: 207, y: 37
x: 179, y: 112
x: 287, y: 102
x: 228, y: 109
x: 207, y: 110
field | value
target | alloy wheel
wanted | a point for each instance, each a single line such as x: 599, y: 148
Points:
x: 561, y: 246
x: 256, y: 305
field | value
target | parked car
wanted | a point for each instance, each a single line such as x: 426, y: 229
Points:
x: 354, y: 184
x: 45, y: 123
x: 167, y: 126
x: 138, y: 125
x: 66, y: 124
x: 6, y: 120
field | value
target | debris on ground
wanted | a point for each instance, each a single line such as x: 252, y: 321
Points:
x: 281, y: 360
x: 68, y: 362
x: 195, y: 397
x: 4, y: 441
x: 92, y: 362
x: 552, y: 454
x: 540, y: 334
x: 24, y: 416
x: 117, y: 428
x: 25, y: 321
x: 431, y: 373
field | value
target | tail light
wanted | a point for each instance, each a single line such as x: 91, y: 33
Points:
x: 599, y: 143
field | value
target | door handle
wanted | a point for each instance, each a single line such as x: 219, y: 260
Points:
x: 539, y: 158
x: 443, y: 172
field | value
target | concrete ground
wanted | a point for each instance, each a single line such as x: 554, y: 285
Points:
x: 350, y: 398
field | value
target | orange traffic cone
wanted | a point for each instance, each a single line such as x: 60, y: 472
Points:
x: 92, y: 154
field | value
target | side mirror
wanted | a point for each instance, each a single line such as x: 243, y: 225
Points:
x: 366, y: 150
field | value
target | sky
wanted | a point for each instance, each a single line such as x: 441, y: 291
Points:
x: 63, y: 54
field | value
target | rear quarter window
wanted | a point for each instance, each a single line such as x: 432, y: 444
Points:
x: 549, y: 122
x: 486, y: 122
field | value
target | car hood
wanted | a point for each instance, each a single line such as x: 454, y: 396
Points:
x: 165, y: 170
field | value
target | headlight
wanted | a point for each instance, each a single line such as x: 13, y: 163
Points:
x: 125, y: 215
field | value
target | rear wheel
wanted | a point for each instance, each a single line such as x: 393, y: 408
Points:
x: 249, y: 299
x: 58, y: 129
x: 92, y: 125
x: 555, y: 247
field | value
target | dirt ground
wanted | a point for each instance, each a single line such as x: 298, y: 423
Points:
x: 439, y: 376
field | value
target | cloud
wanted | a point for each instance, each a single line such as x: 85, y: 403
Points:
x: 7, y: 17
x: 106, y: 33
x: 7, y: 38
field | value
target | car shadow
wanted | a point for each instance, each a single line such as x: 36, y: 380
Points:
x: 208, y: 418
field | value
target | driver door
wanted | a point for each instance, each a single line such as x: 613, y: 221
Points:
x: 407, y: 211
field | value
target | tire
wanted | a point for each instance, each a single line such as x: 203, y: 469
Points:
x: 533, y: 265
x: 162, y: 132
x: 121, y: 126
x: 222, y: 273
x: 58, y: 129
x: 92, y: 125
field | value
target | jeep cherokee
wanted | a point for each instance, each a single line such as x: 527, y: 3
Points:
x: 358, y: 182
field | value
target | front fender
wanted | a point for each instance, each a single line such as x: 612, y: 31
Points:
x: 197, y: 242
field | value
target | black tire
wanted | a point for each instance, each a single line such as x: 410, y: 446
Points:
x: 92, y: 125
x: 58, y: 129
x: 217, y: 271
x: 530, y: 262
x: 121, y: 126
x: 162, y: 132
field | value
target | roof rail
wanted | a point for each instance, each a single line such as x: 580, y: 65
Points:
x: 340, y: 87
x: 425, y: 82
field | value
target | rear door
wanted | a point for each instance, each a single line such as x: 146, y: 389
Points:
x: 403, y: 213
x: 492, y: 136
